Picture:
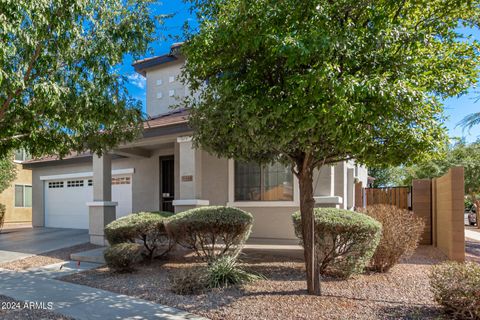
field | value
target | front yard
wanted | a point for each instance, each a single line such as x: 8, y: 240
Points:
x: 402, y: 293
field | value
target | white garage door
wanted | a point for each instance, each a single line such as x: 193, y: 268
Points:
x: 66, y: 200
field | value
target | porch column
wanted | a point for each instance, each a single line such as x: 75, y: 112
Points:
x: 190, y: 170
x: 350, y: 188
x: 324, y: 187
x: 341, y: 183
x: 102, y: 209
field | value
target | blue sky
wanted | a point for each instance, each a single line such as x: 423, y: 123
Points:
x: 455, y: 108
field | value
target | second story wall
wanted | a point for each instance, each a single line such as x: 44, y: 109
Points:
x: 164, y: 88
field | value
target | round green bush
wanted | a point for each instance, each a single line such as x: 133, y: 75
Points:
x: 147, y: 227
x: 344, y: 240
x: 456, y: 286
x: 123, y: 256
x: 211, y: 231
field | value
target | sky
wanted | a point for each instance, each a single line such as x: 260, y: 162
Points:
x: 456, y: 108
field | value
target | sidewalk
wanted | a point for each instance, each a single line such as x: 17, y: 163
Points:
x: 82, y: 302
x: 474, y: 235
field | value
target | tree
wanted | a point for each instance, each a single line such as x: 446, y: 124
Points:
x: 8, y: 171
x: 59, y: 83
x: 387, y: 177
x: 312, y: 83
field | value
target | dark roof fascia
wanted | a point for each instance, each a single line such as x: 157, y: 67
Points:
x: 142, y: 65
x: 166, y: 130
x: 73, y: 160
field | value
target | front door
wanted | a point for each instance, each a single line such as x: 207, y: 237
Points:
x: 167, y: 184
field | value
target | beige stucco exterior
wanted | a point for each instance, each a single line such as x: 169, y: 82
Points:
x: 7, y: 197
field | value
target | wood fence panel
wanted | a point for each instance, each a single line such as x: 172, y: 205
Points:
x: 395, y: 196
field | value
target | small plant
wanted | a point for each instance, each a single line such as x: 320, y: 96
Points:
x: 456, y: 286
x: 123, y: 256
x: 401, y: 232
x: 221, y: 273
x: 211, y: 231
x: 225, y: 272
x: 147, y: 227
x: 3, y: 209
x: 344, y: 240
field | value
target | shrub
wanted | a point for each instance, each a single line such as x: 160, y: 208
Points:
x: 3, y: 209
x: 456, y: 286
x: 123, y: 256
x: 221, y: 273
x: 204, y: 229
x: 147, y: 227
x: 401, y: 232
x: 344, y: 240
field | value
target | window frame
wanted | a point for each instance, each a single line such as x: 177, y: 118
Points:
x: 25, y: 156
x: 24, y: 186
x: 258, y: 203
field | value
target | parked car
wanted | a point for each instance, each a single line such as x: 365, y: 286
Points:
x: 470, y: 218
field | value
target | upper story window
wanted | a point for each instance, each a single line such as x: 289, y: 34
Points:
x: 171, y: 93
x: 171, y: 79
x: 254, y: 182
x: 159, y: 95
x: 159, y: 82
x: 22, y: 155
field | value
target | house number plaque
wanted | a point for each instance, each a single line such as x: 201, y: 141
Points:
x: 187, y: 178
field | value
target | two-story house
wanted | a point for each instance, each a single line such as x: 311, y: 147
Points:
x: 162, y: 171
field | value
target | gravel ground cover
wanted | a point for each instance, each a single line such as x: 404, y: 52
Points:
x: 11, y: 309
x: 402, y: 293
x: 47, y: 257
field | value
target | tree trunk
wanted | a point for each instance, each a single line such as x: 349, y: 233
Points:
x: 307, y: 203
x: 477, y: 210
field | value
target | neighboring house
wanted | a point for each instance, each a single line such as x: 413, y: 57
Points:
x: 18, y: 197
x: 161, y: 171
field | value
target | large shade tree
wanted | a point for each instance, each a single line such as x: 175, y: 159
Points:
x: 315, y: 82
x: 59, y: 79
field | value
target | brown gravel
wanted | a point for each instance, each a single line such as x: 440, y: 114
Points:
x: 402, y: 293
x: 9, y: 311
x: 47, y: 257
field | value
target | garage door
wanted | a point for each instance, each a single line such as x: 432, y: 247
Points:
x: 66, y: 200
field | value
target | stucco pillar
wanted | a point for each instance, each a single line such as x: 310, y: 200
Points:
x: 341, y: 183
x: 190, y: 182
x: 350, y: 200
x: 102, y: 209
x: 324, y: 187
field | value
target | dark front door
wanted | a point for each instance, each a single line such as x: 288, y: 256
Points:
x: 167, y: 184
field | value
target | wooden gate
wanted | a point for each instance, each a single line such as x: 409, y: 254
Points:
x: 396, y: 196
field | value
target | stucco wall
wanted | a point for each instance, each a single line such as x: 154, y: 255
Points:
x: 7, y: 197
x: 155, y: 105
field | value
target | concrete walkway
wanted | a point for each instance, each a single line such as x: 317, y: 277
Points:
x: 474, y: 235
x: 82, y: 302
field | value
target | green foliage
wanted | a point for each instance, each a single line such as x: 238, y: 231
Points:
x: 387, y: 177
x: 401, y: 232
x: 211, y: 231
x: 147, y: 227
x: 3, y: 209
x: 327, y: 79
x: 60, y: 83
x: 456, y: 286
x: 123, y: 256
x: 345, y: 240
x: 221, y: 273
x: 8, y: 171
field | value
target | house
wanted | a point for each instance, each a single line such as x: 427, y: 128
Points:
x: 162, y: 171
x: 18, y: 197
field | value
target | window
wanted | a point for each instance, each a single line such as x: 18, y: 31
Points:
x: 21, y: 155
x: 121, y: 180
x: 253, y: 182
x: 159, y: 95
x: 55, y: 184
x: 159, y: 82
x: 23, y: 196
x: 90, y: 182
x: 171, y: 93
x: 74, y: 183
x: 171, y: 79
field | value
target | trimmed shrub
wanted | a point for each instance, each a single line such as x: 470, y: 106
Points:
x: 401, y: 232
x: 221, y: 273
x: 344, y: 240
x: 456, y: 286
x: 147, y: 227
x: 204, y: 229
x: 123, y: 256
x: 3, y: 209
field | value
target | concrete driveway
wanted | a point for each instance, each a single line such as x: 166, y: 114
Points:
x: 21, y: 243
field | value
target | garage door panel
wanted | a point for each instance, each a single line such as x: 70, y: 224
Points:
x: 65, y: 201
